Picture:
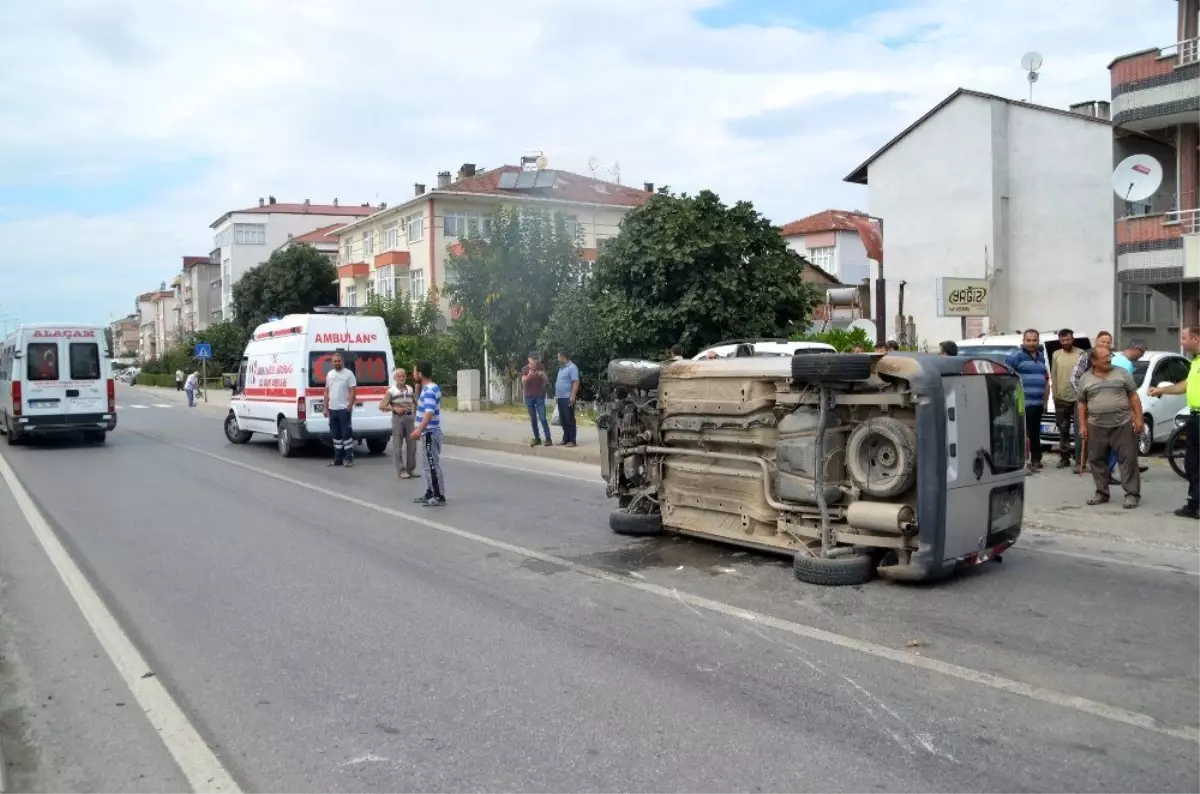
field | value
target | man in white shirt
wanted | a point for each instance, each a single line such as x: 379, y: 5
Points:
x: 178, y: 380
x: 340, y: 390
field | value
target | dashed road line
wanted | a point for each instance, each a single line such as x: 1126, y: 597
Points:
x: 898, y: 656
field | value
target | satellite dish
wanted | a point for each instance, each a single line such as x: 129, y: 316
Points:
x: 541, y: 162
x: 1031, y: 62
x: 1137, y: 177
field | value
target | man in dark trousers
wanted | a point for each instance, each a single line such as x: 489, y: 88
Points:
x: 1189, y: 337
x: 340, y: 392
x: 1030, y: 363
x: 428, y: 433
x: 566, y: 392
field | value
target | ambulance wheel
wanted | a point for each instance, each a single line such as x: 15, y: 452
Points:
x: 376, y: 446
x: 284, y: 440
x: 234, y: 433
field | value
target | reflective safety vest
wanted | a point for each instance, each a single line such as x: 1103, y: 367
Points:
x: 1193, y: 385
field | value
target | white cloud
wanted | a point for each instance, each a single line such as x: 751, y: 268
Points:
x: 318, y: 98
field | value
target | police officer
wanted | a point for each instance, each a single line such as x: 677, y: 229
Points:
x: 1190, y: 339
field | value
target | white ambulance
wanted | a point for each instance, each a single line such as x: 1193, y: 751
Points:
x: 280, y: 388
x: 55, y: 379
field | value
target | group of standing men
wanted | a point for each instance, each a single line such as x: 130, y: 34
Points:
x: 534, y: 380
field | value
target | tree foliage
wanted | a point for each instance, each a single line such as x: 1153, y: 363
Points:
x: 574, y: 326
x: 510, y: 280
x: 291, y: 281
x: 404, y: 316
x: 843, y: 340
x: 691, y: 270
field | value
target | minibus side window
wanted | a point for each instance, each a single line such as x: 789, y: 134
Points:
x: 1007, y: 422
x: 85, y: 361
x: 41, y: 361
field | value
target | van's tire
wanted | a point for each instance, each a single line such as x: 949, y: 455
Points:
x: 635, y: 525
x: 833, y: 571
x: 634, y: 373
x: 831, y: 367
x: 377, y: 446
x: 233, y: 433
x: 11, y: 434
x: 283, y: 441
x: 96, y: 436
x: 892, y: 446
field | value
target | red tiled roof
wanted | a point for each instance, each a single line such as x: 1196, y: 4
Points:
x: 322, y: 235
x: 350, y: 211
x: 567, y: 187
x: 827, y: 221
x: 190, y: 262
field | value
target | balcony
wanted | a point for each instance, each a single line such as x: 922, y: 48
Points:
x: 1157, y: 88
x: 1150, y: 247
x: 353, y: 270
x: 398, y: 258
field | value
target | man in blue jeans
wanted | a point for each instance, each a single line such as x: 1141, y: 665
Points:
x: 1030, y: 364
x: 566, y: 392
x: 533, y: 378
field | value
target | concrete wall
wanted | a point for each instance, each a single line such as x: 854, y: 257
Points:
x: 1026, y: 190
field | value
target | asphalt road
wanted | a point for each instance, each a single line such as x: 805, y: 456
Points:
x: 321, y: 632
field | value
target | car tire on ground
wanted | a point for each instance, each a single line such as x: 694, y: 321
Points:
x: 11, y: 434
x: 635, y: 525
x: 284, y: 440
x: 97, y: 436
x: 377, y: 446
x: 233, y: 432
x: 1145, y: 441
x: 881, y: 457
x: 832, y: 367
x: 634, y: 374
x: 833, y: 571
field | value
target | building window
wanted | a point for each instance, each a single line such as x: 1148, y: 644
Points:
x: 385, y: 281
x: 821, y: 257
x: 416, y: 280
x: 1137, y: 305
x: 351, y: 296
x: 415, y: 227
x: 368, y: 240
x: 571, y: 222
x: 249, y: 234
x: 464, y: 224
x: 391, y: 237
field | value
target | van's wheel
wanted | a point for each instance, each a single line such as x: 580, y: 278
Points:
x: 233, y: 432
x: 376, y: 446
x: 635, y: 525
x: 11, y: 434
x: 833, y: 571
x: 97, y: 436
x: 284, y: 440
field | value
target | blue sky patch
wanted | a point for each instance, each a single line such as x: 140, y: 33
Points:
x: 99, y: 194
x: 824, y: 14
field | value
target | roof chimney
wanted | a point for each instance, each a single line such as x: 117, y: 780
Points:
x: 261, y: 202
x: 270, y: 199
x: 468, y: 169
x: 443, y: 179
x: 418, y: 189
x: 648, y: 187
x: 382, y: 205
x: 1096, y: 109
x: 335, y: 202
x: 307, y: 202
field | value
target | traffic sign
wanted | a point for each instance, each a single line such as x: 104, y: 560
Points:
x: 203, y: 351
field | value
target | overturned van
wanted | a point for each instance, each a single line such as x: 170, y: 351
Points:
x: 906, y: 465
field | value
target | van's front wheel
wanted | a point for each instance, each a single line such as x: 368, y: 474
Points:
x: 233, y: 432
x: 284, y: 440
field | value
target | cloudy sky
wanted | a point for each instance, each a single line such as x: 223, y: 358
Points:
x: 128, y: 126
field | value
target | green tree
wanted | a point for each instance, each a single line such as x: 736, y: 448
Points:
x: 575, y: 326
x: 292, y: 281
x: 403, y: 316
x: 691, y: 270
x: 509, y: 281
x: 228, y: 341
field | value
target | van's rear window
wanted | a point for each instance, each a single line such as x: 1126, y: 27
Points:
x: 85, y: 361
x: 370, y: 367
x: 41, y: 361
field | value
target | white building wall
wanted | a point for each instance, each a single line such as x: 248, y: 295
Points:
x: 851, y: 258
x: 1026, y: 190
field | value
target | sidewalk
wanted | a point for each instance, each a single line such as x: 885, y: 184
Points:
x: 497, y: 431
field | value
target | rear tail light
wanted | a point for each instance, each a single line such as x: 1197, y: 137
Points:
x: 302, y: 408
x: 16, y: 397
x: 112, y: 396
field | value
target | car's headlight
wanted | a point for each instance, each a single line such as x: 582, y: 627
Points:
x: 1180, y: 421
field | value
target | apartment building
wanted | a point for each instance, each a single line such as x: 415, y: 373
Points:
x: 984, y: 186
x: 324, y: 240
x: 1155, y: 110
x: 198, y: 293
x: 245, y: 238
x: 404, y: 248
x: 830, y: 241
x: 125, y: 337
x: 157, y: 322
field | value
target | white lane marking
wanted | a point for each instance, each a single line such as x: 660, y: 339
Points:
x: 136, y: 406
x: 904, y: 657
x: 1149, y: 566
x: 592, y: 480
x: 163, y: 405
x: 198, y: 763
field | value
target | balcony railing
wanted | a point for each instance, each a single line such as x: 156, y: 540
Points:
x: 1188, y: 220
x: 1186, y: 52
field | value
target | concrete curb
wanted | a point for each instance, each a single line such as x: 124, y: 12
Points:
x: 576, y: 455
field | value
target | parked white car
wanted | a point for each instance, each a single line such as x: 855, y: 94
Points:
x: 763, y: 347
